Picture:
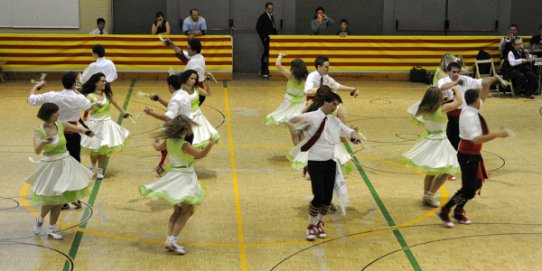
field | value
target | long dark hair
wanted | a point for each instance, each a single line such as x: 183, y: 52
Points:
x: 318, y: 99
x: 90, y: 85
x: 431, y: 101
x: 299, y: 70
x: 186, y: 75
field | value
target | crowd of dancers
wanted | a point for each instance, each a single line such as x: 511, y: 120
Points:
x: 311, y: 109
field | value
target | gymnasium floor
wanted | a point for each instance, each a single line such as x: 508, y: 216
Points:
x: 255, y: 212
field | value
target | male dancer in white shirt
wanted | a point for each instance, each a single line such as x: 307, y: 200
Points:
x: 324, y: 131
x: 473, y: 132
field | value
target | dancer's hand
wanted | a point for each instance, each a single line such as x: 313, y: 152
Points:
x: 354, y: 93
x: 154, y: 97
x: 127, y: 115
x: 147, y: 111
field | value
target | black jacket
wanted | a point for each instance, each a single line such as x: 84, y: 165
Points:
x: 265, y: 27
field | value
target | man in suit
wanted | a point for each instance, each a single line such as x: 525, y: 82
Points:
x: 265, y: 27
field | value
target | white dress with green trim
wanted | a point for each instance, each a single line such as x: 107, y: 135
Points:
x: 293, y: 103
x: 59, y: 178
x: 205, y: 131
x: 180, y: 184
x: 109, y: 136
x: 433, y: 154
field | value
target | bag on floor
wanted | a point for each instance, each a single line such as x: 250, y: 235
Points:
x: 417, y: 74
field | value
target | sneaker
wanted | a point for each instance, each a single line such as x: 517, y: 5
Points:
x: 311, y: 233
x: 37, y: 226
x: 175, y: 248
x: 429, y: 200
x: 459, y: 215
x: 320, y: 229
x: 65, y: 206
x: 51, y: 233
x: 77, y: 204
x: 100, y: 173
x: 444, y: 215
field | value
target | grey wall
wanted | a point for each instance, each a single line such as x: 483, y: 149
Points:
x: 366, y: 17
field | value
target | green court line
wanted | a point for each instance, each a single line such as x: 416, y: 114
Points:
x: 79, y: 235
x: 387, y: 216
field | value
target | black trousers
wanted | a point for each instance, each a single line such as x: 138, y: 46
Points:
x: 525, y: 81
x: 452, y: 131
x: 264, y: 69
x: 470, y: 183
x: 73, y: 144
x: 322, y: 181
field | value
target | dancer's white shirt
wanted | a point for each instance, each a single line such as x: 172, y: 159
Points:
x: 323, y: 149
x: 469, y: 123
x: 180, y: 104
x: 102, y: 65
x: 313, y: 81
x: 70, y: 104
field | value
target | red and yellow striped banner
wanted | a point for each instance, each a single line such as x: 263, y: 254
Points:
x: 362, y: 54
x: 130, y: 53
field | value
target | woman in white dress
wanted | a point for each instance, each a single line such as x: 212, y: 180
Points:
x: 204, y: 132
x: 294, y: 98
x: 180, y: 186
x: 110, y: 136
x: 433, y: 154
x: 59, y: 178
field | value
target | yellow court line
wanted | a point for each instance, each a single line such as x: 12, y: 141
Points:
x: 239, y: 218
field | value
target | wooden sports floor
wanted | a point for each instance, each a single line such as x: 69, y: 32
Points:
x: 255, y: 212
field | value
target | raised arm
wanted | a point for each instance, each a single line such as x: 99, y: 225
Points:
x: 278, y: 63
x: 34, y: 99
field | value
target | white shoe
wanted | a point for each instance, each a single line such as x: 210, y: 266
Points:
x: 176, y: 249
x: 430, y: 201
x: 51, y: 232
x: 37, y: 226
x: 100, y: 173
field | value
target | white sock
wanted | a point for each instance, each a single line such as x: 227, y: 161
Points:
x: 320, y: 217
x: 312, y: 220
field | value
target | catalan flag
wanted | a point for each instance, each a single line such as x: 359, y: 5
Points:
x: 362, y: 54
x: 130, y: 53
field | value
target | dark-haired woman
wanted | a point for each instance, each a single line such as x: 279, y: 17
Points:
x: 59, y: 178
x: 294, y: 99
x: 110, y: 136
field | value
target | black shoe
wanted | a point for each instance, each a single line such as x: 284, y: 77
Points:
x: 65, y: 206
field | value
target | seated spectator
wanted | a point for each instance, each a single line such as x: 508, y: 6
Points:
x: 519, y: 65
x: 506, y: 42
x: 343, y: 30
x: 536, y: 38
x: 160, y: 25
x: 194, y: 25
x: 321, y: 22
x: 100, y: 30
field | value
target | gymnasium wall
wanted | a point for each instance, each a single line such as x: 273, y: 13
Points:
x: 366, y: 17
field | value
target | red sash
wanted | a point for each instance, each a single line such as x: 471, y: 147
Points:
x: 454, y: 113
x: 71, y: 132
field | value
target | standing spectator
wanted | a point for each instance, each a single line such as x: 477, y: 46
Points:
x: 343, y: 30
x: 100, y: 30
x: 194, y: 25
x: 523, y: 78
x: 324, y: 132
x: 506, y: 44
x: 265, y: 27
x: 321, y: 22
x: 160, y: 25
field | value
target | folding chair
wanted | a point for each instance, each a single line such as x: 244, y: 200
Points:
x: 486, y: 68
